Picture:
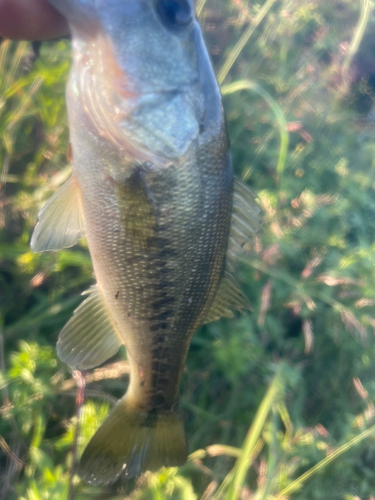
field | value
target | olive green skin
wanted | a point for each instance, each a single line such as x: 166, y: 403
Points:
x: 158, y: 242
x: 156, y: 203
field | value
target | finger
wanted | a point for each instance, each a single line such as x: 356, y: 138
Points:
x: 30, y: 20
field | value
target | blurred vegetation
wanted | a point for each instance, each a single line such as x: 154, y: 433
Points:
x: 298, y: 82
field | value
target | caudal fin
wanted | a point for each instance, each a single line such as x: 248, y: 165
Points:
x: 131, y: 442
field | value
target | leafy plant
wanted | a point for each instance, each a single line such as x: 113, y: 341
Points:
x: 297, y: 80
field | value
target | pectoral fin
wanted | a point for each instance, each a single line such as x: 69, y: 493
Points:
x: 60, y: 222
x: 228, y: 297
x: 245, y: 223
x: 89, y: 338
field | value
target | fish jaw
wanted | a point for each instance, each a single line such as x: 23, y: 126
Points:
x: 127, y: 87
x: 129, y: 119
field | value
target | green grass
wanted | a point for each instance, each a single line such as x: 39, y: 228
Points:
x: 278, y: 403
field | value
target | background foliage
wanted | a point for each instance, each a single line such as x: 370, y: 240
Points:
x: 299, y: 104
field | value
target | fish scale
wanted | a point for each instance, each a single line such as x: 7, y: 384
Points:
x: 133, y: 268
x: 152, y: 189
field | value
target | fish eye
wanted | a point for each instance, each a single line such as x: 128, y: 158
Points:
x: 175, y: 14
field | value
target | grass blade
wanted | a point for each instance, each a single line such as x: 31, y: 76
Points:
x: 279, y: 115
x: 237, y: 49
x: 296, y: 485
x: 247, y: 454
x: 366, y: 7
x: 200, y: 6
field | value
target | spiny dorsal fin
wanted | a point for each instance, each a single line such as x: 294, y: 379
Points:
x: 229, y: 296
x: 89, y: 338
x: 245, y: 223
x: 60, y: 220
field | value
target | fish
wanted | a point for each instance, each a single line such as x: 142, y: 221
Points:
x: 153, y: 191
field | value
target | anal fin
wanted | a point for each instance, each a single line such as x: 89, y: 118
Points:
x: 60, y: 222
x: 89, y: 338
x: 228, y: 297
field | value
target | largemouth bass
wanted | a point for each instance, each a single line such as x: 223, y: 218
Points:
x: 153, y: 192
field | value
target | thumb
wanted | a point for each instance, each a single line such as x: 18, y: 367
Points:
x: 30, y: 20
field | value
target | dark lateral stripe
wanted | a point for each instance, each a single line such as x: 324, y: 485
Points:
x: 158, y: 326
x: 162, y: 316
x: 160, y: 351
x: 158, y: 304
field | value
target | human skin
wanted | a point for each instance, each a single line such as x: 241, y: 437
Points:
x: 30, y: 20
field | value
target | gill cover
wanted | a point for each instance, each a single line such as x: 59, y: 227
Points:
x: 161, y: 61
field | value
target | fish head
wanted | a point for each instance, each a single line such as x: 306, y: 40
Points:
x: 151, y: 39
x: 139, y: 64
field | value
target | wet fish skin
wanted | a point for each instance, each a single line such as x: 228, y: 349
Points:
x: 154, y: 217
x: 153, y: 186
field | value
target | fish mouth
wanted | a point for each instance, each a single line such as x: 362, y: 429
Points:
x: 109, y: 98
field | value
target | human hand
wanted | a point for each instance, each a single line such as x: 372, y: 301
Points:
x: 30, y: 20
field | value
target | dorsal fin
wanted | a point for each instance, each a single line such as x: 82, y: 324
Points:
x: 89, y: 338
x: 228, y: 297
x: 60, y: 222
x: 245, y: 224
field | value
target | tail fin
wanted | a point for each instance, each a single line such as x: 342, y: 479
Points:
x: 131, y: 442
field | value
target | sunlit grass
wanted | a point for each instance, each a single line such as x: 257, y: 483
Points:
x: 279, y: 115
x: 366, y: 8
x: 237, y: 49
x: 308, y: 430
